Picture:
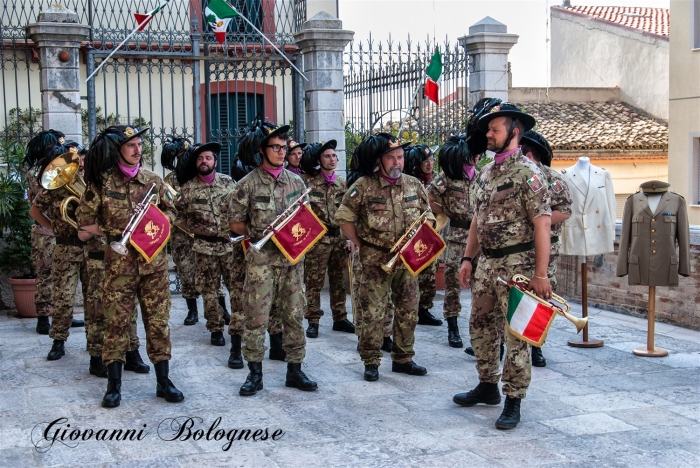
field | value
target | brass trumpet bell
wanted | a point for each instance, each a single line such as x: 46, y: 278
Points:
x: 63, y: 172
x: 442, y: 221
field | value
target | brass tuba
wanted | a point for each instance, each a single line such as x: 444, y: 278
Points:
x: 63, y: 172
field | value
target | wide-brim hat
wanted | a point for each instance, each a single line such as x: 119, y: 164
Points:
x: 293, y: 145
x: 273, y: 132
x: 330, y: 144
x: 536, y: 139
x: 214, y: 147
x: 131, y: 132
x: 391, y: 145
x: 506, y: 109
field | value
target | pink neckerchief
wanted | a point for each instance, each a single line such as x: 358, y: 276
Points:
x: 391, y: 180
x: 329, y: 178
x: 273, y: 172
x: 425, y: 178
x: 207, y: 179
x: 499, y: 158
x: 294, y: 170
x: 129, y: 172
x: 469, y: 171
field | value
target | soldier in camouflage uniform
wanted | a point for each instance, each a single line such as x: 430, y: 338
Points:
x: 373, y: 215
x: 452, y: 193
x: 270, y: 280
x: 537, y: 149
x: 420, y: 161
x: 330, y: 253
x: 116, y: 185
x: 68, y: 261
x: 293, y: 159
x: 512, y: 226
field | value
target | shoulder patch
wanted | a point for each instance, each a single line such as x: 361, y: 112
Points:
x: 354, y: 193
x: 535, y: 184
x: 557, y: 187
x: 440, y: 182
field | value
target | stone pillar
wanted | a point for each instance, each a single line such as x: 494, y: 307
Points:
x: 321, y: 42
x: 487, y: 47
x: 57, y: 36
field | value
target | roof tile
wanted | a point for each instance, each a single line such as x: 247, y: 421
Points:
x: 650, y: 20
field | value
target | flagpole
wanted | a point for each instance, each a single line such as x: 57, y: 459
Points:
x: 415, y: 94
x: 153, y: 12
x: 268, y: 41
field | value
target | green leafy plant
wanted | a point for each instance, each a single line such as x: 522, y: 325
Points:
x: 17, y: 225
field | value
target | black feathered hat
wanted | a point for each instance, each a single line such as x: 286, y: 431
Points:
x: 506, y: 109
x: 36, y: 148
x: 255, y: 137
x: 172, y: 149
x: 414, y: 156
x: 374, y: 147
x: 311, y: 158
x: 540, y: 144
x: 453, y: 155
x: 476, y: 139
x: 186, y: 169
x: 291, y: 144
x: 131, y: 132
x: 104, y: 152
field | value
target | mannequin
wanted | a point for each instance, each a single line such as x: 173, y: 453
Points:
x: 584, y: 165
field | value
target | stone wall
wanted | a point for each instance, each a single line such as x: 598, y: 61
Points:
x: 674, y: 305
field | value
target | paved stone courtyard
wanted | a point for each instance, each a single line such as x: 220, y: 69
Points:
x: 588, y: 408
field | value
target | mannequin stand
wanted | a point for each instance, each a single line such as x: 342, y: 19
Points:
x: 650, y: 350
x: 585, y: 342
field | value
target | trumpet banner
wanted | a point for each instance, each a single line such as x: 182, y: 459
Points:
x: 151, y: 233
x: 299, y: 235
x: 422, y: 250
x: 528, y: 319
x: 245, y: 243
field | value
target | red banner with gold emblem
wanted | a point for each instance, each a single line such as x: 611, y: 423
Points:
x: 245, y: 243
x: 299, y: 235
x: 151, y: 234
x: 422, y: 250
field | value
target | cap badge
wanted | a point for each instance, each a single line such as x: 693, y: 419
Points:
x: 129, y: 132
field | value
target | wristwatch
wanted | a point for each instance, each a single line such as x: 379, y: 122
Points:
x: 468, y: 259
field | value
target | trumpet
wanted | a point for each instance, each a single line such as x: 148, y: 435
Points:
x: 563, y: 311
x: 280, y: 221
x: 236, y: 239
x: 63, y: 172
x: 139, y: 212
x: 403, y: 240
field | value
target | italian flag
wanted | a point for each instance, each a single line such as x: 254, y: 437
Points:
x: 143, y: 20
x: 219, y: 14
x: 528, y: 319
x: 433, y: 73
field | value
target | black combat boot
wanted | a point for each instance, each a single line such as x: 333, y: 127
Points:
x: 470, y: 351
x: 371, y: 373
x: 453, y: 338
x: 77, y: 323
x: 387, y: 344
x: 254, y: 381
x: 510, y: 417
x: 43, y: 326
x: 297, y: 379
x: 538, y: 359
x: 134, y: 363
x: 426, y: 318
x: 277, y: 352
x: 114, y: 385
x: 192, y: 313
x: 217, y: 338
x: 222, y: 303
x: 235, y: 359
x: 344, y: 326
x: 97, y: 367
x: 165, y: 387
x: 410, y: 368
x: 312, y: 331
x: 486, y: 393
x: 57, y: 350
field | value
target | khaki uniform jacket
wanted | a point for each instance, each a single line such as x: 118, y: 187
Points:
x: 649, y: 241
x: 591, y: 228
x: 559, y: 191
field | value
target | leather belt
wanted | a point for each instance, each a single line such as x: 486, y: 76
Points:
x: 460, y: 224
x: 554, y: 239
x: 111, y: 238
x: 333, y: 232
x: 69, y: 241
x: 381, y: 249
x: 513, y: 249
x: 96, y: 255
x: 216, y: 239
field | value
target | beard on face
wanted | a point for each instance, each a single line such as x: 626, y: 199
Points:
x: 394, y: 172
x: 205, y: 170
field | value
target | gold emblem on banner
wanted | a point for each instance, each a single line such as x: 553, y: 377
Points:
x: 151, y: 230
x: 298, y: 231
x: 419, y: 248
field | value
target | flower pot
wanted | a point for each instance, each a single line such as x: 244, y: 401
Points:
x: 23, y: 290
x: 440, y: 277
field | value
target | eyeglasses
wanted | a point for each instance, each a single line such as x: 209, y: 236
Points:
x: 278, y: 148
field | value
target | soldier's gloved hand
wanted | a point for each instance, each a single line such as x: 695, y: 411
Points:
x: 541, y: 287
x: 465, y: 274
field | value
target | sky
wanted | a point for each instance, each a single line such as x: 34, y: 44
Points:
x: 529, y: 19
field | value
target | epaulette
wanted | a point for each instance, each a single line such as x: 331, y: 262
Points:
x: 563, y: 171
x: 677, y: 194
x: 635, y: 193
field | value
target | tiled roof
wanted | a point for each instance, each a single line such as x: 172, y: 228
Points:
x: 649, y: 20
x: 581, y: 126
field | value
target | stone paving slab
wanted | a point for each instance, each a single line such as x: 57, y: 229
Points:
x: 601, y: 407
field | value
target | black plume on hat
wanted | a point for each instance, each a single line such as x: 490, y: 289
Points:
x: 453, y: 155
x: 257, y: 134
x: 374, y: 147
x: 414, y: 156
x: 476, y: 138
x: 309, y: 163
x: 539, y: 144
x: 172, y: 148
x: 36, y: 148
x: 104, y: 154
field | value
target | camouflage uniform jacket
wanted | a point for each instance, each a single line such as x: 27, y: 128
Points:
x: 383, y: 211
x: 457, y: 200
x: 559, y: 192
x: 325, y: 199
x: 257, y: 200
x: 204, y: 207
x: 508, y: 197
x: 111, y: 208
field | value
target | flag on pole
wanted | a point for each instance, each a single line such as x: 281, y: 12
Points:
x: 433, y: 73
x: 528, y: 318
x: 219, y: 14
x: 143, y: 20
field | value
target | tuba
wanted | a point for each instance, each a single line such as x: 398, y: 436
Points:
x: 63, y: 172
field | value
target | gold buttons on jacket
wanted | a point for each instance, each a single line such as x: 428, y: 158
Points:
x: 653, y: 220
x: 653, y: 230
x: 597, y: 211
x: 653, y: 251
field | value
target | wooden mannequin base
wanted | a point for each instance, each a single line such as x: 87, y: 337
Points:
x: 579, y: 343
x: 644, y: 352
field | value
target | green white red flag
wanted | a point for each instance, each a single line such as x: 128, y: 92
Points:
x: 143, y: 20
x: 219, y: 14
x: 432, y: 81
x: 528, y: 319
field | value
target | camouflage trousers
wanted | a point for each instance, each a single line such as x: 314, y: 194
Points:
x: 181, y: 248
x: 94, y: 311
x: 281, y: 288
x: 453, y: 254
x: 235, y: 290
x: 68, y: 267
x: 376, y: 289
x: 331, y: 257
x: 487, y: 324
x: 356, y: 303
x: 119, y: 299
x: 552, y: 266
x: 426, y: 286
x: 210, y: 269
x: 42, y: 252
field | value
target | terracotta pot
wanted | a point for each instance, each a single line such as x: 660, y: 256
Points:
x: 23, y: 290
x: 440, y: 277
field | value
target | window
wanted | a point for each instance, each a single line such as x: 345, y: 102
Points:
x: 696, y: 24
x: 696, y: 166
